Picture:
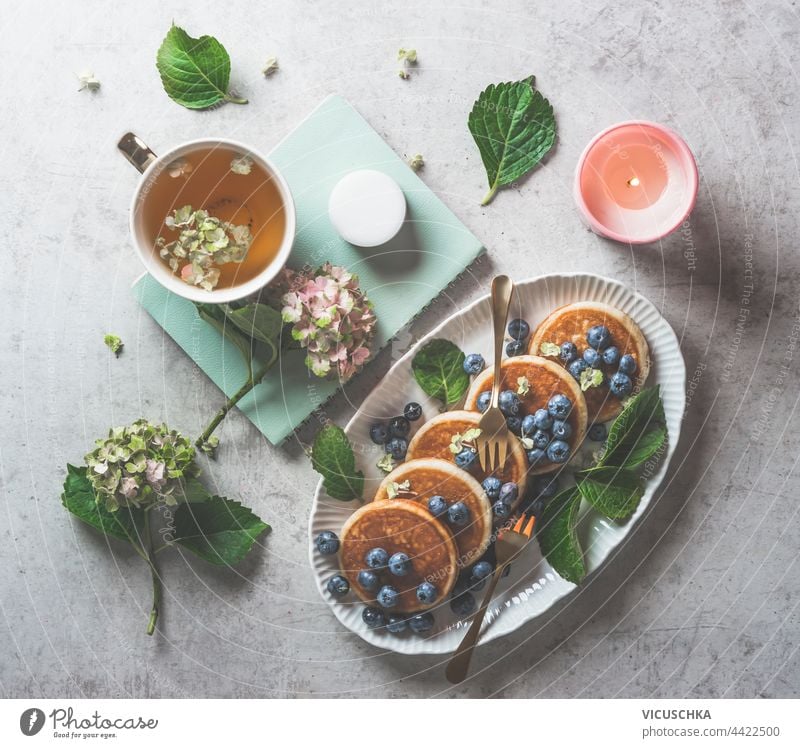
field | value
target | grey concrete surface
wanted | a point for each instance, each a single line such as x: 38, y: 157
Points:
x: 702, y: 600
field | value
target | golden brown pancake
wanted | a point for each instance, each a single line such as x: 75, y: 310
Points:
x: 432, y: 477
x: 545, y: 379
x: 400, y: 525
x: 571, y: 323
x: 434, y: 437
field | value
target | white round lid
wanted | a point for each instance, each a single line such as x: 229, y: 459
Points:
x: 367, y: 208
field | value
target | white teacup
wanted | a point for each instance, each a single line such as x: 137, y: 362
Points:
x: 151, y: 167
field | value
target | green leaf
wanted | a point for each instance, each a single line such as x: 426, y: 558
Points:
x: 219, y: 530
x: 192, y: 491
x: 215, y: 316
x: 614, y: 492
x: 558, y: 538
x: 332, y: 457
x: 439, y: 369
x: 257, y: 321
x: 638, y: 432
x: 514, y: 127
x: 194, y: 72
x: 79, y: 499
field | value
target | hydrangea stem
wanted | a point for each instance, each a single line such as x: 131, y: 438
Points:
x: 251, y: 382
x: 155, y: 576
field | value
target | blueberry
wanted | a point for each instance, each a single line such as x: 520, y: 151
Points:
x: 508, y: 402
x: 338, y: 586
x: 569, y: 352
x: 501, y: 510
x: 519, y: 329
x: 399, y: 426
x: 536, y: 456
x: 543, y: 420
x: 515, y: 347
x: 598, y: 432
x: 379, y: 432
x: 620, y: 384
x: 577, y: 367
x: 387, y: 596
x: 427, y: 592
x: 399, y: 564
x: 611, y: 355
x: 369, y: 580
x: 509, y: 493
x: 483, y: 401
x: 592, y: 358
x: 558, y: 451
x: 412, y: 411
x: 458, y: 514
x: 421, y: 623
x: 562, y: 430
x: 559, y: 406
x: 528, y: 425
x: 492, y: 486
x: 514, y: 424
x: 462, y: 605
x: 481, y: 570
x: 437, y: 506
x: 327, y: 543
x: 598, y: 337
x: 397, y: 447
x: 474, y: 363
x: 627, y: 364
x: 545, y: 486
x: 466, y: 458
x: 373, y: 617
x: 376, y: 558
x: 541, y: 439
x: 396, y: 624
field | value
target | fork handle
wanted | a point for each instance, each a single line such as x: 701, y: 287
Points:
x: 458, y: 666
x: 502, y: 290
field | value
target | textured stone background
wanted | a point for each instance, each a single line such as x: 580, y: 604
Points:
x: 702, y: 600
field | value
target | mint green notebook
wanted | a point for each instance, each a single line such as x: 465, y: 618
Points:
x: 401, y: 277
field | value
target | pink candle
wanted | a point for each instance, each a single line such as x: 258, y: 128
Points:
x: 636, y: 182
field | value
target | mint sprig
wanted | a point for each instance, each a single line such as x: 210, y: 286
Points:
x: 514, y: 127
x: 438, y: 368
x: 332, y: 457
x: 637, y: 433
x: 556, y: 531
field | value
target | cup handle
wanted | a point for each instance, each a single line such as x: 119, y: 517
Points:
x: 135, y: 150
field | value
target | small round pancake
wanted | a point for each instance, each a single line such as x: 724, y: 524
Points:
x: 545, y: 379
x: 399, y: 525
x: 432, y: 477
x: 571, y: 323
x: 434, y: 437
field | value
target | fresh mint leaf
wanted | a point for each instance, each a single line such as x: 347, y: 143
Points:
x: 332, y: 457
x: 195, y: 72
x: 514, y: 127
x: 79, y: 499
x: 638, y: 432
x: 439, y: 369
x: 558, y: 538
x: 614, y: 492
x: 219, y: 530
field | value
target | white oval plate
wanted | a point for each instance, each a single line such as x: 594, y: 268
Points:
x: 532, y: 586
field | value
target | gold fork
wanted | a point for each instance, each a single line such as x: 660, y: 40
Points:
x: 492, y: 442
x: 509, y: 543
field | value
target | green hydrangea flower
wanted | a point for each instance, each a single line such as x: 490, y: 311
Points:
x: 140, y: 465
